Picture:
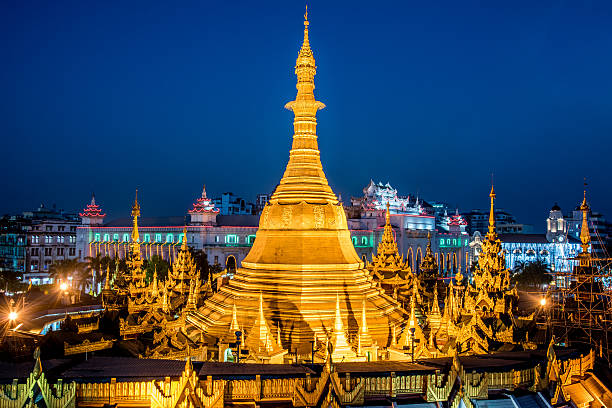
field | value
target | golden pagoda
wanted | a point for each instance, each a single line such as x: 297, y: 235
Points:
x: 302, y: 257
x: 481, y: 318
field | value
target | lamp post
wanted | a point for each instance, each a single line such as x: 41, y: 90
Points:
x: 412, y: 330
x: 312, y: 342
x: 238, y: 334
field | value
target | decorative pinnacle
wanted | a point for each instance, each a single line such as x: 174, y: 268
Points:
x: 585, y: 236
x: 388, y: 215
x: 492, y: 212
x: 136, y: 206
x: 306, y: 16
x: 203, y: 190
x: 93, y: 199
x: 184, y: 243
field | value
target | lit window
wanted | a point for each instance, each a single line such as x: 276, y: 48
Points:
x: 97, y: 237
x: 454, y: 242
x: 364, y: 240
x: 158, y: 238
x: 250, y: 239
x: 442, y: 241
x: 115, y: 237
x: 354, y: 240
x: 231, y: 239
x: 448, y: 241
x: 147, y: 238
x: 126, y: 237
x: 170, y: 238
x: 216, y: 238
x: 106, y: 237
x: 180, y: 238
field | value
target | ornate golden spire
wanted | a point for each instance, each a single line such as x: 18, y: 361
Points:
x: 135, y: 215
x: 585, y: 236
x: 491, y: 234
x: 135, y: 260
x: 304, y: 179
x: 184, y: 242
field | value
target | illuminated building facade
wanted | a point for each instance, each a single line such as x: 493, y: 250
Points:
x: 51, y: 237
x: 229, y: 204
x: 225, y: 239
x: 556, y: 247
x: 413, y: 220
x: 13, y: 241
x: 521, y: 380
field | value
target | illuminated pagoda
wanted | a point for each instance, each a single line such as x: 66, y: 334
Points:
x: 92, y: 213
x: 481, y: 318
x: 203, y: 211
x: 390, y: 269
x: 429, y: 275
x: 303, y: 257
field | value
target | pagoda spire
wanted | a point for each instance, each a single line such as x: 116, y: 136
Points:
x: 184, y: 241
x: 234, y: 326
x: 585, y: 235
x: 304, y: 179
x: 341, y: 348
x: 135, y: 215
x: 492, y: 234
x: 135, y: 259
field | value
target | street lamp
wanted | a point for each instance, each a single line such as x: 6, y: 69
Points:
x: 12, y: 316
x: 543, y: 302
x: 63, y: 286
x: 238, y: 334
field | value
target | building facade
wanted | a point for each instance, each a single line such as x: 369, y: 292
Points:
x: 557, y: 247
x: 413, y: 220
x: 51, y: 237
x: 13, y: 243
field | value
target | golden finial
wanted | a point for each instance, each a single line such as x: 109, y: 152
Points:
x: 135, y: 215
x: 388, y: 215
x: 306, y: 16
x: 492, y: 211
x: 585, y: 236
x: 184, y: 243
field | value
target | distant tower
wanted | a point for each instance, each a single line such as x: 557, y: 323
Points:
x: 556, y: 226
x: 92, y: 213
x: 203, y: 211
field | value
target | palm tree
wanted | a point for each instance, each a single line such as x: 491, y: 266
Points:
x: 532, y: 274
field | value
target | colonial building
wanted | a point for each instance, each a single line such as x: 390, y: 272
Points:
x: 225, y: 239
x: 51, y: 237
x: 413, y: 220
x: 556, y: 247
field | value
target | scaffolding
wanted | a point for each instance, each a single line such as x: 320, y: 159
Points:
x: 581, y: 310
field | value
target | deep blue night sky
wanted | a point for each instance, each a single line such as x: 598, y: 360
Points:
x: 430, y: 96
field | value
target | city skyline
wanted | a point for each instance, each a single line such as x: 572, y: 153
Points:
x: 108, y: 109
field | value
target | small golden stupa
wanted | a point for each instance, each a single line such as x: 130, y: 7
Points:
x: 303, y: 263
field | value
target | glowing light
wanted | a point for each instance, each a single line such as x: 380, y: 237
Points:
x: 63, y: 286
x: 543, y: 302
x: 12, y: 316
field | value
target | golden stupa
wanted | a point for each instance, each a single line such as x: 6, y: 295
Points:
x: 303, y: 261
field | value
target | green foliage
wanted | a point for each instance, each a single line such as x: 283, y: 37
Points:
x: 156, y: 263
x: 9, y: 281
x: 532, y: 274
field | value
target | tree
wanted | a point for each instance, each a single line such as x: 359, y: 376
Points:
x: 532, y: 274
x: 94, y: 266
x: 156, y: 263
